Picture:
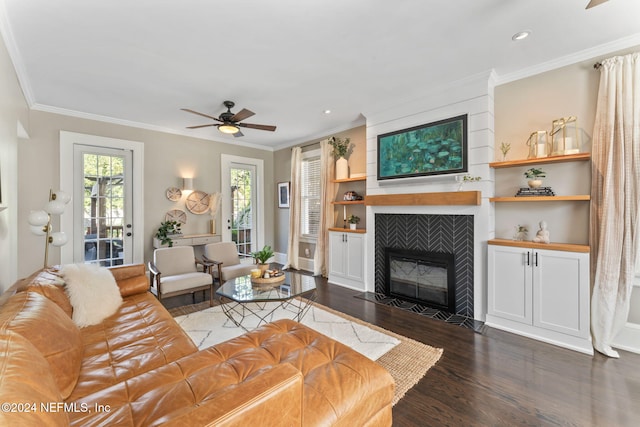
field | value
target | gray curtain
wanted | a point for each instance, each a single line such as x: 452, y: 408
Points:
x: 614, y: 198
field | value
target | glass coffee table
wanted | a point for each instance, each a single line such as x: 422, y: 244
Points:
x: 249, y: 305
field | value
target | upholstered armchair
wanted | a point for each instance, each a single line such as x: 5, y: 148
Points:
x: 224, y: 262
x: 174, y: 272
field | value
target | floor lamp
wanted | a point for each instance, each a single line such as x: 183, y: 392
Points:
x: 40, y: 221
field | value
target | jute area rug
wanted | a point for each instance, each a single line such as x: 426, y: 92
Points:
x: 405, y: 359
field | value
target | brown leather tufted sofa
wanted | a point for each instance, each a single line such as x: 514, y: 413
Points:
x: 139, y: 368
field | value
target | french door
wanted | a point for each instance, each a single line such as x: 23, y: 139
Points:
x: 104, y: 235
x: 242, y: 203
x: 105, y: 178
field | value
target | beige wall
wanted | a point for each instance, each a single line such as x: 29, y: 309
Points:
x: 13, y: 108
x: 282, y: 158
x: 168, y: 157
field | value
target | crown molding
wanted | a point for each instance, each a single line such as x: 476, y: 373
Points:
x: 360, y: 121
x: 139, y: 125
x: 14, y: 54
x: 583, y: 55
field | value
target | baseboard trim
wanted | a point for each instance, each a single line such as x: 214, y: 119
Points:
x: 628, y: 339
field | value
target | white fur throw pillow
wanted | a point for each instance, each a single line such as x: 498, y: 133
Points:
x: 93, y: 292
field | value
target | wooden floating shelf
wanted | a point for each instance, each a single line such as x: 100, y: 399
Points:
x: 578, y: 198
x: 360, y: 178
x: 566, y: 247
x: 348, y: 202
x: 446, y: 198
x: 580, y: 157
x: 348, y: 230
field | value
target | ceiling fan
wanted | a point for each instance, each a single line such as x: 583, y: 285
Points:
x: 594, y: 3
x: 230, y: 122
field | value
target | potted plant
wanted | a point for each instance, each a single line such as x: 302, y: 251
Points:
x: 341, y: 149
x: 166, y: 230
x: 262, y: 256
x: 534, y: 175
x: 353, y: 221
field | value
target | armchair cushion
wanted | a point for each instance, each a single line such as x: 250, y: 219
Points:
x: 185, y: 281
x: 175, y: 260
x: 227, y: 254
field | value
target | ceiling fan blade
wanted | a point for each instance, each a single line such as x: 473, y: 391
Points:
x: 201, y: 114
x: 201, y: 126
x: 238, y: 134
x: 594, y: 3
x: 254, y: 126
x: 241, y: 115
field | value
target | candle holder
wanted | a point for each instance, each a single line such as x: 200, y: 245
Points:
x: 564, y: 136
x: 538, y: 145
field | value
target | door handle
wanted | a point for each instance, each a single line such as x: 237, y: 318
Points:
x: 528, y: 260
x: 535, y: 262
x: 128, y: 234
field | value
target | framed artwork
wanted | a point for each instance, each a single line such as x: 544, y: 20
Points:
x: 283, y: 194
x: 437, y: 148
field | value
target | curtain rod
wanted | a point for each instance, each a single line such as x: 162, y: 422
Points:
x: 597, y: 65
x: 308, y: 145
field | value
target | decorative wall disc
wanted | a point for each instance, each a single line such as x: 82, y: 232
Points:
x: 176, y: 215
x: 174, y: 194
x: 198, y: 202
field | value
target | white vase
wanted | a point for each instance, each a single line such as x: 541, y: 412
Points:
x: 352, y: 226
x: 534, y: 183
x: 342, y: 168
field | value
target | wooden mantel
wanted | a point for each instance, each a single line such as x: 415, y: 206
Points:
x: 445, y: 198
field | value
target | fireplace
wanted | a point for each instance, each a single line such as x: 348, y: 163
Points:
x: 430, y: 233
x: 422, y: 277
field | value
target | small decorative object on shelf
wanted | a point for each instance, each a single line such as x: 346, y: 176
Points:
x: 542, y: 236
x: 504, y: 149
x: 530, y: 192
x: 521, y: 232
x: 353, y: 221
x: 351, y: 196
x: 564, y: 136
x: 534, y: 175
x: 167, y: 230
x: 461, y: 179
x: 341, y: 149
x: 538, y: 145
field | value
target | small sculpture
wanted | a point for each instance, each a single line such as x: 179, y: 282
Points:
x: 542, y: 236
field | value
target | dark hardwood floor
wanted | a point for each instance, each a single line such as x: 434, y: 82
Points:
x: 500, y: 379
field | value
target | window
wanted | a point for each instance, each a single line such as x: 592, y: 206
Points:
x: 310, y: 215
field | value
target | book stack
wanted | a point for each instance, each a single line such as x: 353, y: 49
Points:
x: 540, y: 191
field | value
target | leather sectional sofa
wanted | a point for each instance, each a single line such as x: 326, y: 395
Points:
x: 139, y: 368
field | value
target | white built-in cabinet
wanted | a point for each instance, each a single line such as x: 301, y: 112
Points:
x: 540, y: 293
x: 346, y: 259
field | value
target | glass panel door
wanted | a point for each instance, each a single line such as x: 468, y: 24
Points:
x: 106, y: 213
x: 243, y: 226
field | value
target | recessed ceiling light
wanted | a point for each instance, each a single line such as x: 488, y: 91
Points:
x: 327, y: 111
x: 521, y: 35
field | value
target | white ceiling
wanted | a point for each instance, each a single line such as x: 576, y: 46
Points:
x: 139, y: 61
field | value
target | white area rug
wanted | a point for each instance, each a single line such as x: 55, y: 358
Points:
x: 211, y: 326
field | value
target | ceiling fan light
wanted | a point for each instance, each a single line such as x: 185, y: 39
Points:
x: 228, y: 128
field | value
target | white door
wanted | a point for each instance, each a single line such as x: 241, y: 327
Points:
x: 105, y: 177
x: 242, y: 203
x: 104, y: 232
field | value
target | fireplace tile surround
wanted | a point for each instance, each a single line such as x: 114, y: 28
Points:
x: 430, y: 232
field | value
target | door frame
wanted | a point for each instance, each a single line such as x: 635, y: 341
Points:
x: 226, y: 160
x: 67, y: 221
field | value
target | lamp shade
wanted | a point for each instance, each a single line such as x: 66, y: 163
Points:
x: 58, y: 238
x: 38, y: 218
x: 38, y: 230
x: 55, y: 207
x: 62, y: 196
x: 187, y: 184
